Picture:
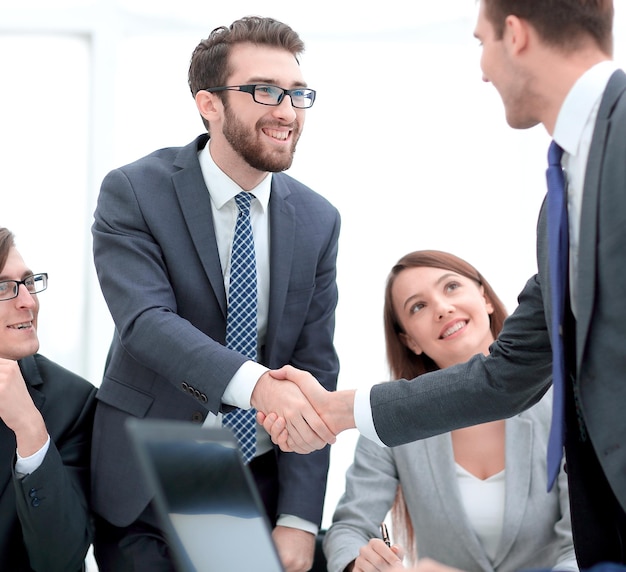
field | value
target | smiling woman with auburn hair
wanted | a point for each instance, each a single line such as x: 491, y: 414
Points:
x: 474, y: 498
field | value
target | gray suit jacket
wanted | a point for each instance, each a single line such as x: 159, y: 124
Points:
x: 536, y: 532
x: 517, y: 372
x: 158, y: 264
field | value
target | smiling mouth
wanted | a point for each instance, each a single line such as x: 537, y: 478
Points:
x: 279, y: 135
x: 22, y: 326
x: 458, y: 326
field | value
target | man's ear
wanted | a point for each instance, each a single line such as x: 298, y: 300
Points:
x: 209, y: 105
x: 410, y: 343
x: 516, y: 34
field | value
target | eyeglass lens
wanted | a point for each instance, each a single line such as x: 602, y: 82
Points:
x: 34, y: 284
x: 273, y: 95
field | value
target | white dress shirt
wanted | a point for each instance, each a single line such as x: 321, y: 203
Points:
x: 222, y: 190
x: 573, y: 132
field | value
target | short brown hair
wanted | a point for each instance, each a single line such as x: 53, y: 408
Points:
x: 209, y: 65
x: 561, y: 23
x: 7, y: 241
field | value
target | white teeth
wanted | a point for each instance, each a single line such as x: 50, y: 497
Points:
x: 453, y: 329
x: 282, y: 135
x: 21, y: 326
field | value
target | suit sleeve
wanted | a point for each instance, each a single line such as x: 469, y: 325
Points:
x: 372, y: 476
x: 52, y: 501
x: 512, y: 378
x: 145, y: 268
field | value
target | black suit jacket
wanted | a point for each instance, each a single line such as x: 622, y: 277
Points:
x: 158, y: 265
x: 44, y: 517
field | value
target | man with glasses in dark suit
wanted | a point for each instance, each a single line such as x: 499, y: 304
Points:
x: 46, y: 415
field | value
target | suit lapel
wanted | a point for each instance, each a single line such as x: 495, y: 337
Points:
x: 517, y: 482
x: 441, y: 458
x: 195, y: 203
x: 589, y: 218
x: 282, y: 239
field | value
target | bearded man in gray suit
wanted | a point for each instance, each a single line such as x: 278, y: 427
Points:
x: 162, y: 237
x: 551, y: 64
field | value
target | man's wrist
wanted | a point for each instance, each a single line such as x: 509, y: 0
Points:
x: 343, y: 413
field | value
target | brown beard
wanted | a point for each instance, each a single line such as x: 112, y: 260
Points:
x: 245, y: 142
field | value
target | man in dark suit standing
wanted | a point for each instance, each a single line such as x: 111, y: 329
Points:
x: 163, y: 236
x: 46, y: 414
x: 551, y: 63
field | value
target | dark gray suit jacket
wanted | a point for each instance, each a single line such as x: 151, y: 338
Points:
x: 517, y: 372
x: 44, y: 517
x: 158, y: 265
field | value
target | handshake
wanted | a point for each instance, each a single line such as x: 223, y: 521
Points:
x: 299, y: 414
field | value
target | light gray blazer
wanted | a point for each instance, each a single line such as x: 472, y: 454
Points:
x: 536, y: 530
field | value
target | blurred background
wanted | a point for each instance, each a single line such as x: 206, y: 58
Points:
x: 404, y: 138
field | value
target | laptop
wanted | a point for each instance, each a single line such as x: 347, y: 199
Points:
x: 205, y: 497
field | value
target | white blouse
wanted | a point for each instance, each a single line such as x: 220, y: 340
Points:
x: 483, y: 501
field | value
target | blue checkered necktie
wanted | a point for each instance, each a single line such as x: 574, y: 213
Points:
x: 241, y: 321
x: 558, y: 257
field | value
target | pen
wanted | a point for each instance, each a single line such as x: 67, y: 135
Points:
x: 385, y: 533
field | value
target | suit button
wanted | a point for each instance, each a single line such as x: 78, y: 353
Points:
x: 32, y: 493
x: 203, y: 398
x: 197, y: 417
x: 184, y: 386
x: 35, y: 502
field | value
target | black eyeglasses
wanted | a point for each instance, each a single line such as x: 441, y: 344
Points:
x: 301, y: 97
x: 34, y: 283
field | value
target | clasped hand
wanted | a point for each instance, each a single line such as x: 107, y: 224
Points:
x: 299, y: 414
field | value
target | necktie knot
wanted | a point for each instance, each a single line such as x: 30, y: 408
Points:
x: 243, y: 200
x: 555, y: 153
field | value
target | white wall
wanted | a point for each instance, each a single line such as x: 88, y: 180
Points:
x: 421, y: 159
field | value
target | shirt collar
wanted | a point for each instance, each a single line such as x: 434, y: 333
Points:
x: 580, y: 103
x: 223, y: 189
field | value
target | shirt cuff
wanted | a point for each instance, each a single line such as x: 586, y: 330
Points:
x: 291, y: 521
x: 363, y: 417
x: 239, y: 391
x: 26, y: 465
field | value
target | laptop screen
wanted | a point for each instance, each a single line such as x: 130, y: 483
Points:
x: 205, y: 496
